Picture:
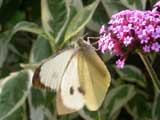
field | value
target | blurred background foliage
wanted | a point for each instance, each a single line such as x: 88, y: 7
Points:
x: 32, y: 30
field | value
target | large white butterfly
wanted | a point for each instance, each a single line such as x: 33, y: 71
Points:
x: 78, y: 76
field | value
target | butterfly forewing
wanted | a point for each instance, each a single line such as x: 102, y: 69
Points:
x: 94, y: 78
x: 50, y: 73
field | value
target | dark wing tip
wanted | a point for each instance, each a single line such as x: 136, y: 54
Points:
x: 36, y: 80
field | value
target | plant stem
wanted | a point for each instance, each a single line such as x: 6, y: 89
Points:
x: 152, y: 73
x: 84, y: 115
x: 99, y: 115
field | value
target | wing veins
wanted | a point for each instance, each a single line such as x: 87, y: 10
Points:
x: 68, y: 64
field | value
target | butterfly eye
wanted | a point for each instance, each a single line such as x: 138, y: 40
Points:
x: 71, y: 90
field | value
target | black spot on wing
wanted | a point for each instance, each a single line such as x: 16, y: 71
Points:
x: 81, y: 90
x: 71, y: 90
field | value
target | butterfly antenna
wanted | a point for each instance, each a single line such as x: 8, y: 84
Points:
x: 94, y: 43
x: 95, y: 38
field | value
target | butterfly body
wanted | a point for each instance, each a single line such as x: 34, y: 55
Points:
x: 78, y: 76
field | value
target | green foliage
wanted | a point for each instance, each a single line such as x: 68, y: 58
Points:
x: 80, y: 20
x: 26, y: 39
x: 117, y: 98
x: 156, y: 109
x: 14, y: 90
x: 28, y: 27
x: 4, y: 37
x: 41, y: 49
x: 113, y: 6
x: 139, y: 108
x: 132, y: 74
x: 55, y: 16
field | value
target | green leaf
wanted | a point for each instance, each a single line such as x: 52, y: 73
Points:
x: 42, y: 104
x: 99, y: 18
x: 1, y: 2
x: 28, y: 27
x: 38, y: 98
x: 14, y: 89
x: 132, y: 74
x: 17, y: 115
x: 80, y: 20
x: 144, y: 3
x: 77, y: 4
x: 156, y: 108
x: 4, y: 37
x: 113, y: 7
x: 136, y: 4
x: 41, y: 49
x: 55, y: 17
x: 139, y: 108
x: 117, y: 98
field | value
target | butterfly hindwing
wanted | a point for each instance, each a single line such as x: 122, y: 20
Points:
x: 61, y: 108
x: 70, y: 89
x: 94, y: 78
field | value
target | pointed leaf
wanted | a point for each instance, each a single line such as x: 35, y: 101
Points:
x: 156, y: 108
x: 42, y: 104
x: 17, y: 115
x: 80, y: 20
x: 41, y: 49
x: 25, y: 26
x: 28, y: 27
x: 55, y: 16
x: 132, y: 74
x: 6, y: 37
x: 139, y: 108
x: 113, y: 7
x: 117, y: 98
x: 77, y: 4
x: 4, y: 45
x: 13, y: 91
x: 99, y: 18
x: 136, y: 4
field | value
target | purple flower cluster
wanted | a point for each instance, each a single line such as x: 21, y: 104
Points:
x: 129, y: 30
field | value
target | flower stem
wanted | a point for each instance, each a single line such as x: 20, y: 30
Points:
x: 152, y: 73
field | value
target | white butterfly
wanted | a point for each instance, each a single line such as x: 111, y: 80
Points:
x: 78, y: 76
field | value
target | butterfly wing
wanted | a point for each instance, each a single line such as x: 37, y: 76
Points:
x: 49, y: 74
x: 71, y: 98
x: 94, y: 78
x: 61, y: 108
